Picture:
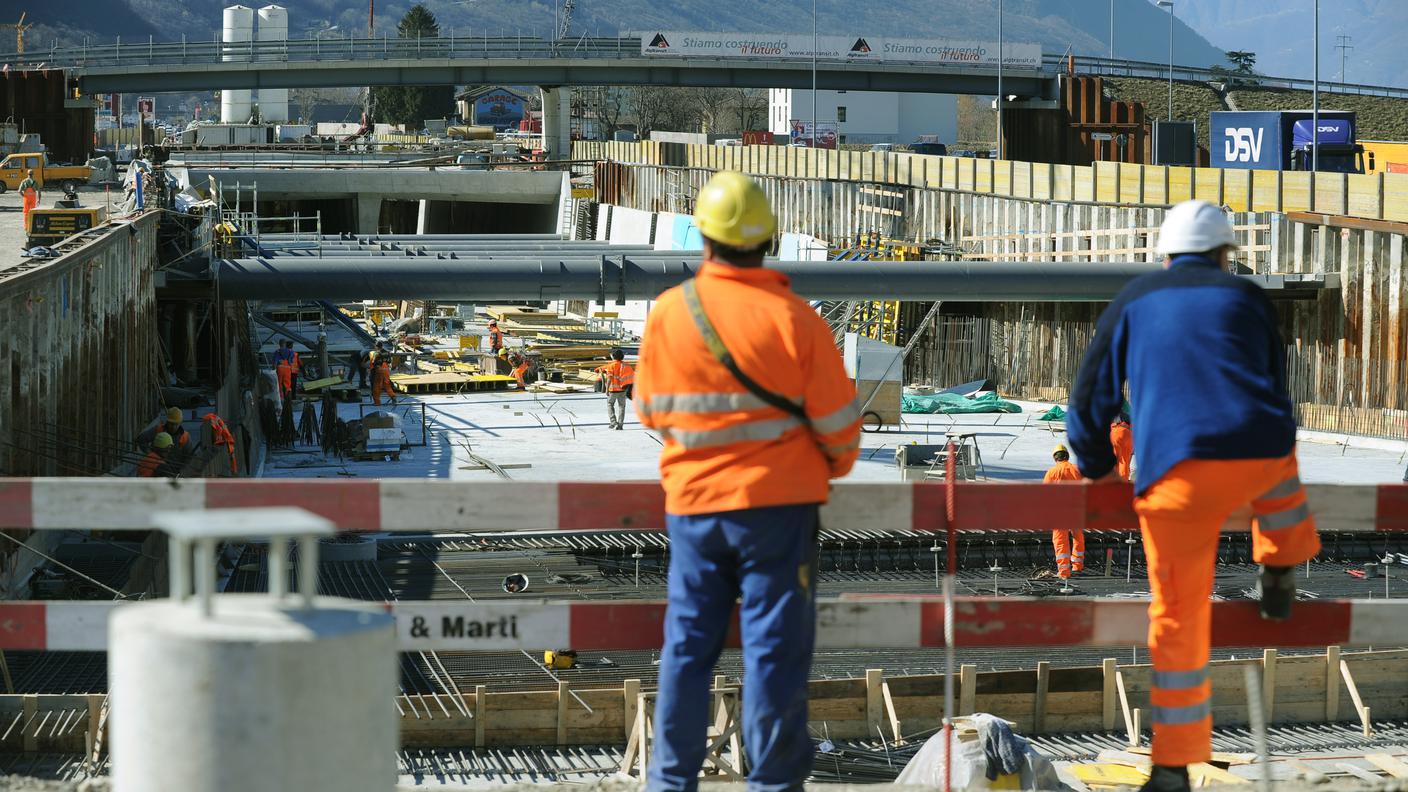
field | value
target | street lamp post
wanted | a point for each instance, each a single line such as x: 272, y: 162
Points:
x: 1315, y: 109
x: 1112, y: 29
x: 814, y: 132
x: 1169, y: 5
x: 1000, y: 96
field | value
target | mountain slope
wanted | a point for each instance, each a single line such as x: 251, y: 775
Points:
x: 1280, y: 34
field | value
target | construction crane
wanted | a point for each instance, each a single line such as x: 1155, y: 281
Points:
x: 20, y: 27
x: 566, y: 19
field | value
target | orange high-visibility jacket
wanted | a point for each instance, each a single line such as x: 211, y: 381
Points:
x: 1122, y: 441
x: 285, y: 372
x: 220, y: 432
x: 618, y: 375
x: 1062, y: 471
x: 725, y: 448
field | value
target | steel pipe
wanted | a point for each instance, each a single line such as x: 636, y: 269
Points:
x: 645, y: 277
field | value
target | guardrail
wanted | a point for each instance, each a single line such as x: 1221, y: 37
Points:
x: 1119, y: 67
x: 421, y: 505
x: 862, y: 622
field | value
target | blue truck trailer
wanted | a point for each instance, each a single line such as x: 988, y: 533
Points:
x: 1281, y: 140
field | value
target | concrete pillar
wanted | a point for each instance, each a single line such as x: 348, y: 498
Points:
x: 421, y: 216
x: 368, y: 213
x: 557, y: 121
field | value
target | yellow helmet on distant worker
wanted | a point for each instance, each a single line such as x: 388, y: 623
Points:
x: 162, y: 440
x: 174, y: 415
x: 1060, y: 448
x: 732, y: 210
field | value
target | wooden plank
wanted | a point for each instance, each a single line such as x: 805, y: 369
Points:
x: 1332, y: 684
x: 1203, y: 774
x: 563, y: 695
x: 874, y: 698
x: 1268, y: 682
x: 29, y: 725
x: 1307, y: 772
x: 890, y: 712
x: 1391, y: 765
x: 1124, y: 707
x: 1109, y: 698
x: 1138, y: 736
x: 631, y: 691
x: 480, y: 693
x: 1354, y: 696
x: 968, y: 692
x: 1043, y: 679
x: 1359, y: 773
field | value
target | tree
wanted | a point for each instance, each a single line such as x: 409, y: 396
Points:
x: 752, y: 106
x: 412, y: 104
x: 1242, y: 61
x: 1243, y: 71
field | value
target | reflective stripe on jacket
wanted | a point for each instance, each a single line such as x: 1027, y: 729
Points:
x: 618, y: 375
x: 725, y: 448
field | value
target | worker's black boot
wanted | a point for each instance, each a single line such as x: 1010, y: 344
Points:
x: 1167, y: 779
x: 1277, y: 588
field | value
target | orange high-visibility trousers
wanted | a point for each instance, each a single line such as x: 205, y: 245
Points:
x: 1069, y: 554
x: 29, y: 199
x: 381, y: 384
x: 1180, y: 517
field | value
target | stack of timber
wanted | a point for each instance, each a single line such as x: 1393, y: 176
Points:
x: 562, y: 343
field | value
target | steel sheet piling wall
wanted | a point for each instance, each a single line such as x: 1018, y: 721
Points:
x: 78, y: 357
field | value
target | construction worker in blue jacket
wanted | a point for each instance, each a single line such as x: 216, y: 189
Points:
x: 1203, y: 358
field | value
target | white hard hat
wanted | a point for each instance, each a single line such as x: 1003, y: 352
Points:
x: 1194, y: 227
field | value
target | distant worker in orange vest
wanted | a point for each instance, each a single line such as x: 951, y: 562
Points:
x: 29, y: 196
x: 743, y: 382
x: 172, y: 426
x: 1069, y: 544
x: 1122, y: 441
x: 496, y: 336
x: 1187, y: 336
x: 216, y: 434
x: 619, y: 378
x: 156, y: 458
x: 520, y: 370
x: 284, y: 370
x: 297, y: 363
x: 381, y: 380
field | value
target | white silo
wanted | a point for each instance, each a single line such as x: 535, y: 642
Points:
x: 238, y: 31
x: 273, y: 26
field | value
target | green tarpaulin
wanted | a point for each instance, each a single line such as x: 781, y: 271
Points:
x: 952, y: 403
x: 1053, y: 414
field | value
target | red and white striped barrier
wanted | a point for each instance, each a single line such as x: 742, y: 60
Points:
x: 420, y: 505
x: 864, y: 622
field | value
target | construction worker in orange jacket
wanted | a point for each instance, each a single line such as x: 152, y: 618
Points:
x: 381, y: 380
x: 520, y: 370
x: 172, y: 426
x: 1069, y: 544
x: 1182, y: 338
x: 284, y: 370
x: 496, y: 336
x: 1122, y: 442
x: 156, y: 458
x: 744, y: 384
x: 619, y: 378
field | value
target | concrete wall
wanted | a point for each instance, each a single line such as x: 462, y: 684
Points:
x: 1347, y: 347
x: 78, y: 355
x: 871, y: 116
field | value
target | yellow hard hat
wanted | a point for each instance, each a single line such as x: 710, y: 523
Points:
x: 733, y: 210
x: 162, y: 440
x: 1060, y: 448
x: 174, y: 415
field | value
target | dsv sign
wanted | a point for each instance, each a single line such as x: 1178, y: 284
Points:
x: 1243, y: 144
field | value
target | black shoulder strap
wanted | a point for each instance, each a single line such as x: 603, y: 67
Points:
x: 721, y: 354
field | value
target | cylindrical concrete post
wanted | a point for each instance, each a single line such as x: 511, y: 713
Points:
x: 557, y: 122
x: 261, y: 694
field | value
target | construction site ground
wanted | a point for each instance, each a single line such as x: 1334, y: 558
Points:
x: 567, y: 438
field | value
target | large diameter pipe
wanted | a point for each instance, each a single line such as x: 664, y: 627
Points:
x: 639, y: 278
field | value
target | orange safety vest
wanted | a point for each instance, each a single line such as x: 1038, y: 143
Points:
x: 148, y: 466
x: 496, y: 338
x: 179, y: 434
x: 618, y: 376
x: 285, y: 372
x: 222, y: 437
x: 725, y: 448
x: 1122, y: 442
x: 1063, y: 471
x: 520, y: 372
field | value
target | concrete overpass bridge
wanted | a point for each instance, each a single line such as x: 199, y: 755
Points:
x: 517, y: 60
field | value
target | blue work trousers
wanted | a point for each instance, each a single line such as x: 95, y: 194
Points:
x: 768, y: 558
